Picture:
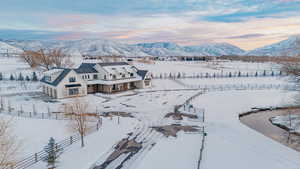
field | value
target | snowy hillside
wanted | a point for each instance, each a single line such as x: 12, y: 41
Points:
x: 108, y: 47
x: 215, y: 49
x: 157, y: 49
x: 6, y: 48
x: 289, y: 47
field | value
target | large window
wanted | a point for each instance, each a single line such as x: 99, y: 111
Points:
x: 72, y: 79
x: 74, y: 91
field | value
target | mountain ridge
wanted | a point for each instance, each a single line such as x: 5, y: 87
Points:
x: 104, y: 47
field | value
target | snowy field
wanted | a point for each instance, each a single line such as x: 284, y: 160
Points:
x: 237, y: 80
x: 229, y: 143
x: 234, y: 145
x: 191, y: 68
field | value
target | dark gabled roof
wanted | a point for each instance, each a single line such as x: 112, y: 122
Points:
x: 113, y: 64
x: 89, y: 67
x: 86, y: 68
x: 61, y: 76
x: 142, y: 73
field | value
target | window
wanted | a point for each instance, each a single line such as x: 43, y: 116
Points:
x: 72, y: 79
x: 131, y: 74
x: 74, y: 91
x: 48, y: 78
x: 114, y: 87
x: 114, y: 76
x: 104, y: 77
x: 123, y: 75
x: 95, y: 77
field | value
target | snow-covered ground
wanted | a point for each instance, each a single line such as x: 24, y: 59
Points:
x: 192, y: 68
x: 291, y: 122
x: 237, y: 80
x: 229, y: 143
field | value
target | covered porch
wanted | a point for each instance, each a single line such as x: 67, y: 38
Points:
x: 111, y: 88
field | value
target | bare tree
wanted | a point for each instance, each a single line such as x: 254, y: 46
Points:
x: 9, y: 145
x: 80, y: 120
x: 47, y: 58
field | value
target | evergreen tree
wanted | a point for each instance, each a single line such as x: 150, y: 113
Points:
x: 240, y: 74
x: 53, y: 151
x: 20, y: 78
x: 178, y: 75
x: 34, y: 77
x: 11, y: 77
x: 1, y: 76
x: 27, y: 78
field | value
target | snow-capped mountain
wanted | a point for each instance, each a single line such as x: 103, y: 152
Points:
x: 289, y: 47
x: 108, y: 47
x: 214, y: 49
x: 172, y: 49
x: 6, y: 48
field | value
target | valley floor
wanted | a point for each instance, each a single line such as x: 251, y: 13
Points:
x: 229, y: 144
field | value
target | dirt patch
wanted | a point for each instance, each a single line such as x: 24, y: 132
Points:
x: 179, y: 116
x: 125, y: 146
x: 173, y: 129
x: 120, y: 114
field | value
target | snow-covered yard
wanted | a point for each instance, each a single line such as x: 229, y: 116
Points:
x: 229, y: 143
x: 191, y: 68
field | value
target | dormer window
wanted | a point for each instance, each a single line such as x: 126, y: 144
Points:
x: 72, y: 79
x: 48, y: 78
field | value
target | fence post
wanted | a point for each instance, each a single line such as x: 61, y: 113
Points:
x: 71, y: 139
x: 35, y: 157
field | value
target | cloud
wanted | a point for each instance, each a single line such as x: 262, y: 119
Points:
x: 246, y: 36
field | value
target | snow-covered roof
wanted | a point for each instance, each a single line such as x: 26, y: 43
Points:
x: 57, y: 79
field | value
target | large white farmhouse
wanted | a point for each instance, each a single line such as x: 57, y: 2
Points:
x: 92, y: 78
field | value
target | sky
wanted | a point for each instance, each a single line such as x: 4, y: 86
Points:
x: 247, y: 24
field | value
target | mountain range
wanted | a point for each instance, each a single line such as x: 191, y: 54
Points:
x: 289, y: 47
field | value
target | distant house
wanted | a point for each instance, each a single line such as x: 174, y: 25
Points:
x: 89, y: 78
